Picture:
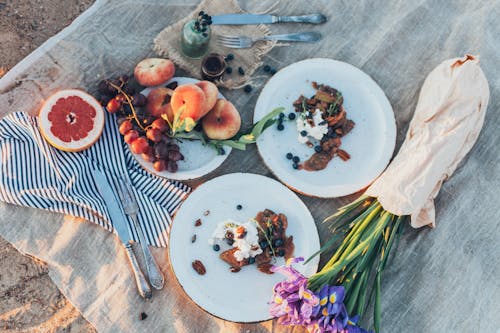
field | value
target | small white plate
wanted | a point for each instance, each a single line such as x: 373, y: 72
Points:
x: 241, y: 296
x: 199, y: 160
x: 370, y: 144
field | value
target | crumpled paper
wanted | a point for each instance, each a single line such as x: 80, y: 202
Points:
x: 446, y: 123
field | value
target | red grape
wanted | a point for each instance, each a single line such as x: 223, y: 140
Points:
x: 130, y: 136
x: 154, y: 134
x: 139, y: 145
x: 125, y: 127
x: 113, y: 105
x: 161, y: 150
x: 139, y: 100
x: 174, y: 155
x: 172, y: 166
x: 173, y: 146
x: 149, y: 155
x: 160, y: 165
x: 160, y: 124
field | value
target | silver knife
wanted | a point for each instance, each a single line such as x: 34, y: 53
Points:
x: 120, y: 223
x: 239, y: 19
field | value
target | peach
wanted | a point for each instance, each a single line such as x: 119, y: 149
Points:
x: 211, y: 94
x: 158, y: 101
x: 154, y: 71
x: 222, y: 122
x: 188, y: 100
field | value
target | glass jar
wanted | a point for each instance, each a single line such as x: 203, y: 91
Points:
x: 194, y: 43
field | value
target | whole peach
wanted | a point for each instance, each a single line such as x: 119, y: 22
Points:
x: 222, y: 122
x: 154, y: 71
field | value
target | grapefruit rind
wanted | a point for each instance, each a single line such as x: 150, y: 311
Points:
x: 74, y: 145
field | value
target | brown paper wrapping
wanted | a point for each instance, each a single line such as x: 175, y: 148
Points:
x: 447, y: 121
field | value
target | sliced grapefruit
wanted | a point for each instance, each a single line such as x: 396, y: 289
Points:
x: 71, y: 120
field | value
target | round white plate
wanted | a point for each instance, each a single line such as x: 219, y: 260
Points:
x: 241, y: 296
x: 370, y: 144
x: 199, y: 160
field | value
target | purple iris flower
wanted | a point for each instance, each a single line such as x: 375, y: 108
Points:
x: 323, y: 312
x: 292, y: 302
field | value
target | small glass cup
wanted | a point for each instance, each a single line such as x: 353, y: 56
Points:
x: 213, y: 67
x: 194, y: 43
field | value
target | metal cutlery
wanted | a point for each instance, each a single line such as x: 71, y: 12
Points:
x: 239, y: 19
x: 131, y: 208
x: 120, y: 224
x: 240, y: 42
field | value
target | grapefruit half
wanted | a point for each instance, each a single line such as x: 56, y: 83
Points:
x: 71, y: 120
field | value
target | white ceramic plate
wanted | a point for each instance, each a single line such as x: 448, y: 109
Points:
x: 198, y: 160
x: 242, y: 296
x: 370, y: 144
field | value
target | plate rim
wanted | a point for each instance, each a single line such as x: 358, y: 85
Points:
x: 390, y: 137
x: 315, y: 261
x: 217, y: 161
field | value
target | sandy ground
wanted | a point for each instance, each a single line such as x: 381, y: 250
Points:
x: 29, y: 301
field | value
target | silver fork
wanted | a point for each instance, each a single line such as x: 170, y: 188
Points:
x: 242, y: 42
x: 131, y: 208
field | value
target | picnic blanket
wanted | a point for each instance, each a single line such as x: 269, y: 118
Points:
x: 442, y: 280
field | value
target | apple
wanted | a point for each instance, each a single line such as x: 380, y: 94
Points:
x: 211, y: 95
x: 154, y: 71
x: 222, y: 122
x: 158, y: 101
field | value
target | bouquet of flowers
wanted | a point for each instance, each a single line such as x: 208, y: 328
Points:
x: 446, y: 123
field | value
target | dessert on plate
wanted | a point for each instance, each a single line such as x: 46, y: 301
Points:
x: 258, y: 241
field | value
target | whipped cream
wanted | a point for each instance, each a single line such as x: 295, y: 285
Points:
x: 246, y: 238
x: 313, y: 130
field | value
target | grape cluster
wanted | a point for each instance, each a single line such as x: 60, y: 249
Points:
x: 146, y: 135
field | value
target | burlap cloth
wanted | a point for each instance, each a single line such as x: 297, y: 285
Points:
x: 167, y: 44
x: 442, y: 280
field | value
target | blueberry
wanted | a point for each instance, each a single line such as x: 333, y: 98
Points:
x: 229, y: 241
x: 281, y: 253
x: 241, y: 71
x: 229, y: 70
x: 251, y: 260
x: 278, y: 242
x: 303, y: 133
x: 222, y: 151
x: 296, y: 159
x: 247, y: 88
x: 267, y: 68
x: 229, y: 57
x: 291, y: 116
x: 289, y: 156
x: 201, y: 13
x: 216, y: 247
x: 239, y: 207
x: 281, y: 127
x: 281, y: 115
x: 272, y: 71
x: 295, y: 166
x: 318, y: 149
x: 263, y: 245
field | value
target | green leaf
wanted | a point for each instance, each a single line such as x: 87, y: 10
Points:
x: 325, y: 247
x: 377, y: 308
x: 229, y: 143
x: 259, y: 127
x: 362, y: 298
x: 388, y: 247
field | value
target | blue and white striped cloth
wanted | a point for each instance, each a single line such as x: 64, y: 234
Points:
x: 35, y: 174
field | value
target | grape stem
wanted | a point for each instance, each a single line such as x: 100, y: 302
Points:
x: 129, y: 101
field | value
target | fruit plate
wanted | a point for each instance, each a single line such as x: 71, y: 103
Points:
x: 370, y: 144
x: 199, y: 160
x: 241, y: 296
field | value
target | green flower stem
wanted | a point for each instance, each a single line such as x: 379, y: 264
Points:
x: 351, y: 241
